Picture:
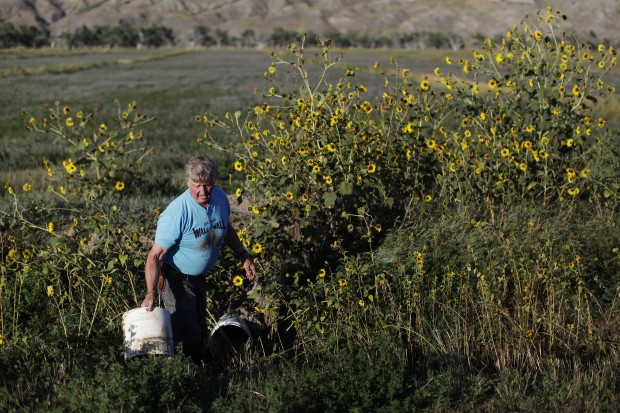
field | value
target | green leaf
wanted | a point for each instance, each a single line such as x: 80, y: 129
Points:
x: 329, y: 199
x: 54, y: 242
x: 254, y: 295
x: 123, y: 259
x: 346, y: 188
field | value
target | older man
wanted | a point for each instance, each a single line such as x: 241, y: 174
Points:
x: 188, y: 240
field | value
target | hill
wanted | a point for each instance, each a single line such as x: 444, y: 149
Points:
x: 594, y: 18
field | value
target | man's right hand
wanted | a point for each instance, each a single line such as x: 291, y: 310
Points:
x: 149, y: 301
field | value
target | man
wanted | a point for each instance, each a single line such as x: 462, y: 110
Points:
x: 189, y: 236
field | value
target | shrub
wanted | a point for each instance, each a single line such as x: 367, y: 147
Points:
x: 69, y: 258
x: 525, y: 124
x: 326, y: 170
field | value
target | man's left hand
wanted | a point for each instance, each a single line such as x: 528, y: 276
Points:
x: 250, y: 269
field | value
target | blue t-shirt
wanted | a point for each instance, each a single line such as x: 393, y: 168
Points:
x: 192, y: 234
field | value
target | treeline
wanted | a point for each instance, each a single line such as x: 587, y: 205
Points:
x: 127, y: 36
x: 123, y: 35
x: 24, y: 36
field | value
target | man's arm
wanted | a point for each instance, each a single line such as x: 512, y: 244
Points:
x: 151, y: 275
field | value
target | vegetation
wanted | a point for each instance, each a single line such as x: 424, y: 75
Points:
x: 127, y: 36
x: 436, y: 240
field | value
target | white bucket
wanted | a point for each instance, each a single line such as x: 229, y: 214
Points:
x: 230, y: 336
x: 147, y: 332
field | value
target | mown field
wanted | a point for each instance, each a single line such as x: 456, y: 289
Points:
x: 440, y: 277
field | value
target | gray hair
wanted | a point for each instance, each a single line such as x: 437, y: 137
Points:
x: 200, y: 169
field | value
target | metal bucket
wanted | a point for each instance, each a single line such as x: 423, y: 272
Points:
x: 230, y: 336
x: 147, y: 332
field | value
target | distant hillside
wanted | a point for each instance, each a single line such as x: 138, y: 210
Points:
x: 464, y: 17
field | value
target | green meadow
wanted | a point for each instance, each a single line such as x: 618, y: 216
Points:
x: 423, y: 245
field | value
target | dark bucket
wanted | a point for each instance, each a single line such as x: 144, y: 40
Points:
x: 230, y: 336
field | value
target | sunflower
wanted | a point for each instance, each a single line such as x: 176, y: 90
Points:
x: 257, y: 248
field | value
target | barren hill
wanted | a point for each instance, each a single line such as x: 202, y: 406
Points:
x: 465, y: 17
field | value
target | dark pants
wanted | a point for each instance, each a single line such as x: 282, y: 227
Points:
x: 185, y: 298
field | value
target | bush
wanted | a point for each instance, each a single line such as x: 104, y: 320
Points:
x: 326, y: 171
x: 69, y: 259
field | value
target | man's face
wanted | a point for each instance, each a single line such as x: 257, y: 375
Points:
x: 200, y: 191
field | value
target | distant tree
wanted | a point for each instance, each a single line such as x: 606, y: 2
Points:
x: 436, y: 40
x: 354, y: 39
x: 282, y: 38
x: 222, y: 38
x: 203, y: 37
x: 455, y: 41
x: 25, y: 35
x: 384, y: 41
x: 8, y: 35
x: 412, y: 41
x: 361, y: 40
x: 311, y: 38
x: 33, y: 36
x: 157, y: 36
x: 125, y: 35
x: 104, y: 36
x: 339, y: 39
x: 84, y: 36
x: 248, y: 38
x: 478, y: 38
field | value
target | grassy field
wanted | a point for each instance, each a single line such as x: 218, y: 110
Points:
x: 173, y: 89
x: 477, y: 309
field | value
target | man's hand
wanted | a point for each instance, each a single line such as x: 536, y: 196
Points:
x: 250, y: 269
x: 149, y: 301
